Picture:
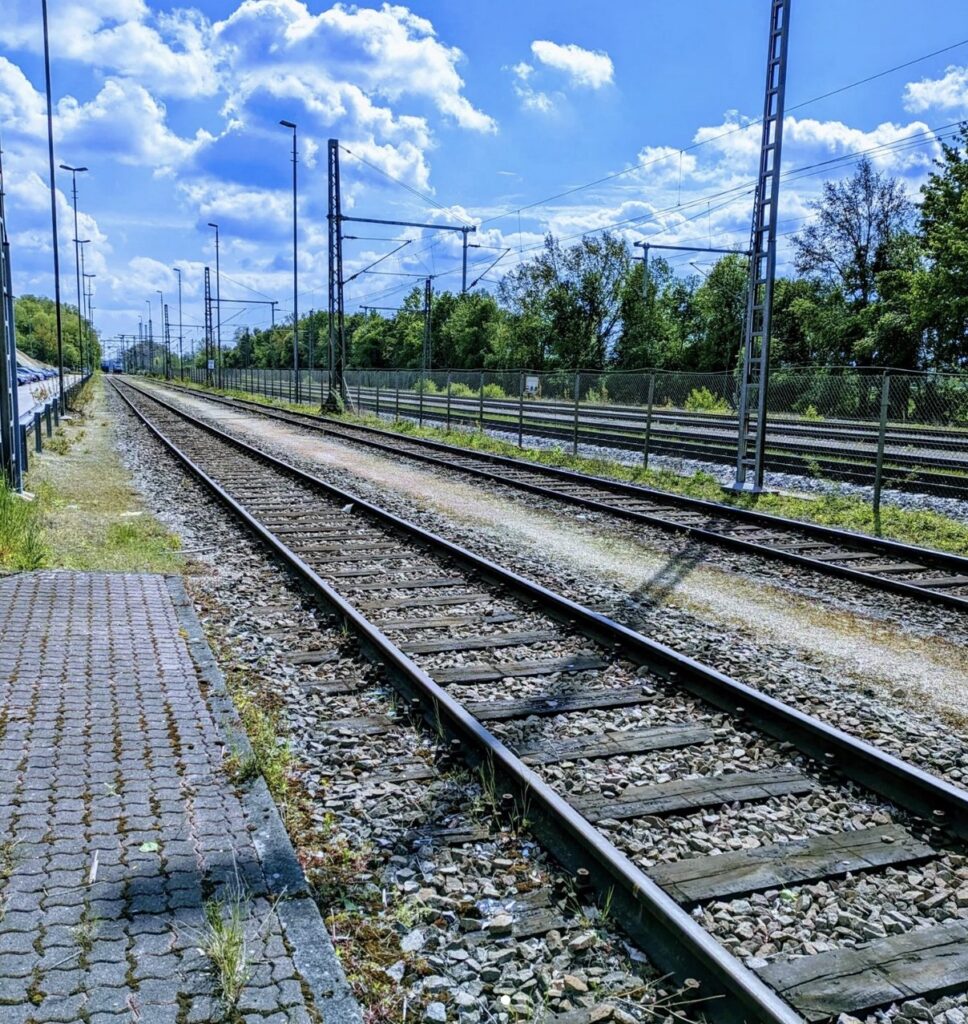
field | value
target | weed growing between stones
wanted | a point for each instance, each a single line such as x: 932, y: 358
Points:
x: 224, y: 943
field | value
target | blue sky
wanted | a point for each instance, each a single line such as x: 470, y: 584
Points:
x: 486, y: 107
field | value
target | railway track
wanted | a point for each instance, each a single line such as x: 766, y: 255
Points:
x: 926, y: 461
x: 906, y: 569
x: 523, y: 679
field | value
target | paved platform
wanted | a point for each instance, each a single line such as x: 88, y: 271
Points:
x: 117, y: 826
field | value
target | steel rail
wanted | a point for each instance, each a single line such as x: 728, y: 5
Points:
x: 896, y: 549
x: 674, y: 940
x: 893, y: 779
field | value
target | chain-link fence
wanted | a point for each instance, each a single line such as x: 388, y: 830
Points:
x: 874, y: 428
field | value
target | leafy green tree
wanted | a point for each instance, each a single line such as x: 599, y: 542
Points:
x: 720, y: 303
x: 850, y: 242
x: 939, y: 294
x: 35, y: 323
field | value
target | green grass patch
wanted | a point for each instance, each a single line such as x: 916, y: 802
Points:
x: 22, y: 543
x: 86, y: 514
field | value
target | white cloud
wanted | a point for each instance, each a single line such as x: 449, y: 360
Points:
x: 947, y: 93
x: 590, y: 68
x: 534, y: 99
x: 123, y: 121
x: 167, y: 53
x: 388, y: 53
x: 126, y: 122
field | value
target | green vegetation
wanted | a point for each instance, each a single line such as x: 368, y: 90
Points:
x: 270, y: 756
x: 22, y: 544
x: 703, y: 400
x: 900, y: 299
x: 36, y: 325
x: 85, y: 513
x: 925, y: 528
x: 224, y: 943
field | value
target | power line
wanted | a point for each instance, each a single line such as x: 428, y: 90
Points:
x: 403, y: 184
x: 722, y: 135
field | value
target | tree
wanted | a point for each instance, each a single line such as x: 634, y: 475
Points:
x: 35, y: 324
x: 721, y: 308
x: 940, y: 291
x: 576, y: 294
x: 850, y: 242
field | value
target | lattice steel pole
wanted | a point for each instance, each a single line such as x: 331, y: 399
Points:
x: 208, y: 327
x: 337, y: 339
x: 751, y: 438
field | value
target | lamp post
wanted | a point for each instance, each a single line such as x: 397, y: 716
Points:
x: 80, y: 243
x: 161, y: 311
x: 181, y: 358
x: 53, y: 210
x: 75, y: 171
x: 89, y: 294
x: 295, y: 270
x: 218, y: 313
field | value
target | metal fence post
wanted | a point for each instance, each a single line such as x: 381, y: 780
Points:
x: 648, y: 422
x: 396, y: 414
x: 56, y: 412
x: 378, y: 398
x: 38, y: 440
x: 420, y: 388
x: 574, y: 445
x: 448, y: 401
x: 879, y: 467
x: 521, y: 409
x: 50, y: 428
x: 480, y: 405
x: 23, y: 449
x: 358, y: 389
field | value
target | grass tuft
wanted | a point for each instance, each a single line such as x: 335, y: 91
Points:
x: 224, y: 943
x: 22, y: 544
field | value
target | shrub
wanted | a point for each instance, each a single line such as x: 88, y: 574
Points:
x: 494, y: 391
x: 703, y: 400
x: 427, y: 386
x: 459, y: 390
x: 810, y: 413
x: 597, y: 396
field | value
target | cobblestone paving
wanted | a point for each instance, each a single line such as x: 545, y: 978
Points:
x: 117, y: 826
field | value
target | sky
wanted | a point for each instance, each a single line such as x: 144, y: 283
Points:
x: 502, y: 115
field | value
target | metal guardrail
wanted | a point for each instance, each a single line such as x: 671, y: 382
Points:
x: 41, y: 420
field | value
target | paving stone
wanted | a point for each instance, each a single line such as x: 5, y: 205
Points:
x: 111, y: 748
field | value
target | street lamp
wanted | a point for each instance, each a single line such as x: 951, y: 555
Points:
x: 53, y: 210
x: 89, y: 313
x: 181, y: 358
x: 218, y: 308
x: 79, y: 243
x: 295, y: 271
x: 75, y: 171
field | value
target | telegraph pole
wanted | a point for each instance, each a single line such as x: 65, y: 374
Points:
x: 427, y: 354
